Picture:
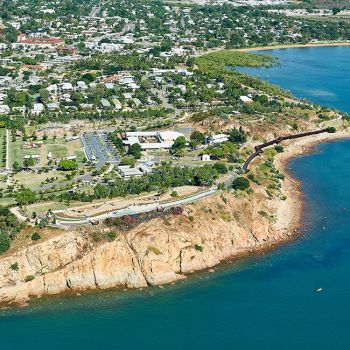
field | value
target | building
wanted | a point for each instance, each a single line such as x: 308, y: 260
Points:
x: 217, y: 139
x: 205, y: 157
x: 66, y: 50
x: 151, y: 140
x: 246, y: 99
x: 37, y: 108
x: 126, y: 171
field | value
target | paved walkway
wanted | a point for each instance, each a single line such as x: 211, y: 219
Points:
x: 136, y: 209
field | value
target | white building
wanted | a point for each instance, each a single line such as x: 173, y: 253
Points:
x: 219, y: 138
x: 37, y: 108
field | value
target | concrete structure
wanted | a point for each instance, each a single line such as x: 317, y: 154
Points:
x: 151, y: 140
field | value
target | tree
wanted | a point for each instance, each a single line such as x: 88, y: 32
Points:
x: 205, y: 176
x: 221, y: 168
x: 178, y: 146
x: 28, y: 162
x: 180, y: 142
x: 25, y: 196
x: 16, y: 167
x: 240, y: 183
x: 237, y: 135
x: 135, y: 151
x: 35, y: 236
x: 129, y: 161
x: 44, y: 95
x: 67, y: 164
x: 197, y: 138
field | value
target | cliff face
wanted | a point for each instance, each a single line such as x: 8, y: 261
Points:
x: 156, y: 252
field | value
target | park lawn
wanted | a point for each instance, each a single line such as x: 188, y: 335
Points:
x: 5, y: 202
x: 15, y: 152
x: 62, y: 149
x: 33, y: 180
x: 43, y: 207
x: 59, y: 149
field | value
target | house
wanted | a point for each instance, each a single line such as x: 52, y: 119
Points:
x: 109, y: 86
x: 136, y: 102
x: 67, y: 50
x: 105, y: 103
x: 246, y: 99
x: 37, y: 108
x: 4, y: 109
x: 52, y: 89
x: 117, y: 104
x: 81, y: 85
x: 66, y: 87
x: 205, y: 157
x: 53, y: 106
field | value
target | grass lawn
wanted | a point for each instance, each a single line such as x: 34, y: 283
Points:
x: 59, y: 148
x: 33, y: 180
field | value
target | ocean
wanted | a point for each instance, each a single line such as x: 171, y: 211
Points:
x: 294, y: 297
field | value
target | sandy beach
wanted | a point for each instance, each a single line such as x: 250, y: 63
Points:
x: 289, y: 211
x: 295, y: 46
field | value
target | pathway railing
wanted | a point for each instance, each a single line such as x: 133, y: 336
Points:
x: 259, y: 148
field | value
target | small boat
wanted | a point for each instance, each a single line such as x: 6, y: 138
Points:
x: 319, y: 290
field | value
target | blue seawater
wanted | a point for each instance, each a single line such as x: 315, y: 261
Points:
x: 318, y: 74
x: 263, y: 302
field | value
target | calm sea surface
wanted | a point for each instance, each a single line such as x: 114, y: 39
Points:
x: 319, y: 74
x: 263, y: 302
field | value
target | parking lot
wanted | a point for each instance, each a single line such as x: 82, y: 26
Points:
x: 98, y: 149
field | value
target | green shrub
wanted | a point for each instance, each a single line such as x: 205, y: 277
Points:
x: 155, y: 250
x: 14, y: 266
x: 112, y: 235
x: 35, y: 236
x: 5, y: 242
x: 279, y: 149
x: 97, y: 236
x: 29, y: 278
x: 240, y: 183
x: 331, y: 130
x: 198, y: 247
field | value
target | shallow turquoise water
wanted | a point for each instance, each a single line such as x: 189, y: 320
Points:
x: 263, y: 302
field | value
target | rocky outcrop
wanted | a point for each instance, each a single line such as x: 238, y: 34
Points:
x: 156, y: 252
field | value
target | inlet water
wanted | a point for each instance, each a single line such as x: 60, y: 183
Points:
x: 319, y: 74
x: 262, y: 302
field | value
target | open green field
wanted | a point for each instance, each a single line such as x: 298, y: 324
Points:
x: 59, y: 148
x: 33, y: 180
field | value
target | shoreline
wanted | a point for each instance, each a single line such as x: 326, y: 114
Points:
x: 287, y: 228
x: 294, y: 46
x: 289, y: 213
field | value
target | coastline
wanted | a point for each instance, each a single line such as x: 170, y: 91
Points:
x: 295, y: 46
x: 161, y: 252
x: 289, y: 212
